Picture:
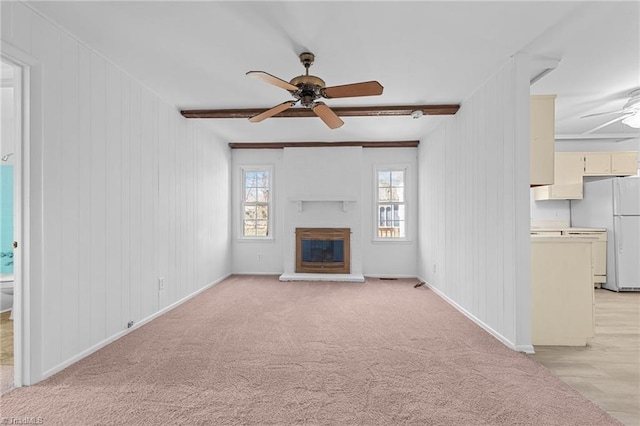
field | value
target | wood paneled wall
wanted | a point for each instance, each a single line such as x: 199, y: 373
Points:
x: 474, y: 206
x: 124, y: 190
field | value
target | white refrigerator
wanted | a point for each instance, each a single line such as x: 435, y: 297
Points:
x: 614, y: 203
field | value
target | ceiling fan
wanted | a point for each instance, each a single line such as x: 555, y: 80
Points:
x: 307, y: 89
x: 629, y: 114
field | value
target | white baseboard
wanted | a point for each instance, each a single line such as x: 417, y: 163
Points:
x: 508, y: 343
x: 390, y: 276
x: 122, y: 333
x: 258, y: 273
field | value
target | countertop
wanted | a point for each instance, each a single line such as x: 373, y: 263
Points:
x: 570, y: 229
x: 558, y: 239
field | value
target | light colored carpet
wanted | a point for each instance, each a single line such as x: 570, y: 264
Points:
x: 253, y: 350
x: 6, y: 378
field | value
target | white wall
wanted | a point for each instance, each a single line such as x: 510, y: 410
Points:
x: 377, y: 258
x: 257, y: 256
x: 123, y: 190
x: 322, y: 178
x: 474, y: 206
x: 389, y: 258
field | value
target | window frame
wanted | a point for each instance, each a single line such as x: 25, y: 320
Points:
x: 404, y: 168
x: 270, y: 203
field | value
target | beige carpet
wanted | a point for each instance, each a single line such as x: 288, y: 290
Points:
x: 253, y: 350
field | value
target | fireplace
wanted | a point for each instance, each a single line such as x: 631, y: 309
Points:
x: 323, y: 250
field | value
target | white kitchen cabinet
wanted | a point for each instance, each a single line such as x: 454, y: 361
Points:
x: 598, y: 251
x: 568, y: 171
x: 561, y: 291
x: 542, y: 139
x: 597, y: 163
x: 624, y: 163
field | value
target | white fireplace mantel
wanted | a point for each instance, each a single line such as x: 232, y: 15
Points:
x: 323, y: 199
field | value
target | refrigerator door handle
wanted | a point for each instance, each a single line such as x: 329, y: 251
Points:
x: 616, y: 197
x: 619, y: 233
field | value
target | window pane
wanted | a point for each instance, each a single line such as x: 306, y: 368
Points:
x: 250, y: 195
x: 384, y: 194
x: 262, y: 179
x: 256, y: 202
x: 397, y: 178
x: 384, y: 179
x: 250, y: 212
x: 263, y: 195
x: 391, y: 220
x: 397, y: 194
x: 249, y: 228
x: 249, y: 179
x: 262, y: 228
x: 262, y: 212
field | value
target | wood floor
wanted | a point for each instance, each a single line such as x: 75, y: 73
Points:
x: 6, y: 339
x: 607, y: 370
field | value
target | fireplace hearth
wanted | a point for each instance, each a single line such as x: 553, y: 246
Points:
x: 323, y: 250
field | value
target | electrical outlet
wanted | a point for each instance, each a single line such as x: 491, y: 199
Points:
x: 161, y: 283
x: 259, y: 257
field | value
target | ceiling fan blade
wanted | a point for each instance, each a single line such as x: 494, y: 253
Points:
x: 615, y: 120
x: 271, y: 79
x: 368, y: 88
x: 327, y: 115
x: 602, y: 113
x: 271, y: 112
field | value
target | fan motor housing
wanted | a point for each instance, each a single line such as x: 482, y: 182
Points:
x: 308, y: 79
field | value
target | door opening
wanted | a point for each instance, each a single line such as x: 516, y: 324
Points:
x: 11, y: 101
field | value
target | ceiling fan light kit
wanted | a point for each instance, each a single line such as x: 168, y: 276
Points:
x: 633, y: 120
x: 629, y: 114
x: 307, y: 89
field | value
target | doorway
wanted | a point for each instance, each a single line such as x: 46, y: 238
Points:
x: 11, y: 120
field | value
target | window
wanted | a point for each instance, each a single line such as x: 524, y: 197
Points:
x: 256, y: 202
x: 391, y: 204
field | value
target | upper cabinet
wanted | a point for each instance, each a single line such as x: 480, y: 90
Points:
x: 624, y: 163
x: 568, y: 178
x: 597, y: 163
x: 610, y: 163
x: 571, y: 167
x: 542, y: 139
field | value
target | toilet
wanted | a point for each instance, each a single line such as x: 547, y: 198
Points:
x: 6, y: 288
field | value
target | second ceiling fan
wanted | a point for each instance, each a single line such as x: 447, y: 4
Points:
x: 307, y: 89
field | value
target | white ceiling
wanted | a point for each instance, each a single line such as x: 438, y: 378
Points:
x: 195, y: 55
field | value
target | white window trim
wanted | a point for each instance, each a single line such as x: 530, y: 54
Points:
x: 391, y: 167
x: 271, y: 221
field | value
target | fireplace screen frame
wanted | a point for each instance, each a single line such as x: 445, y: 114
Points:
x: 324, y: 234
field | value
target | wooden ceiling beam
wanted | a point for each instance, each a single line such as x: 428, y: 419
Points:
x: 366, y: 111
x: 364, y: 144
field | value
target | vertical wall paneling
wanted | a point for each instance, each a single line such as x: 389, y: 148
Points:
x: 172, y: 279
x: 6, y: 15
x: 135, y: 203
x: 122, y: 190
x: 125, y: 202
x: 98, y: 199
x: 146, y: 203
x: 522, y: 252
x: 474, y: 206
x: 113, y: 220
x: 84, y: 199
x: 48, y: 47
x: 155, y: 213
x: 162, y: 257
x: 70, y: 202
